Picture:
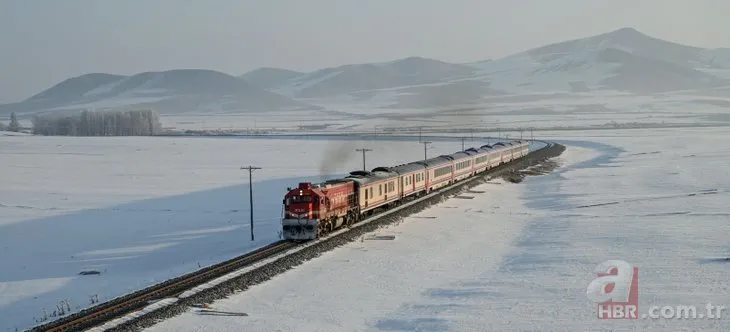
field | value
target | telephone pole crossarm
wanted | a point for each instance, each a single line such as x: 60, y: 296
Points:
x: 250, y: 193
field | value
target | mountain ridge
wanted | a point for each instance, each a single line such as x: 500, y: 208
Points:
x: 607, y: 61
x: 623, y: 60
x: 169, y: 92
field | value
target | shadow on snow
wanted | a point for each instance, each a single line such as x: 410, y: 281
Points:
x: 133, y: 245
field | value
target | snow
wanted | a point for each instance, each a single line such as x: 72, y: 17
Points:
x: 386, y: 263
x: 522, y: 74
x: 306, y: 81
x: 117, y: 101
x: 107, y: 88
x: 12, y: 133
x: 519, y: 257
x: 542, y: 111
x: 126, y: 318
x: 141, y: 210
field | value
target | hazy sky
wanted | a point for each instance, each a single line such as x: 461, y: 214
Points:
x: 45, y: 42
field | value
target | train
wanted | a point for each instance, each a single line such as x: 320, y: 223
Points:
x: 312, y: 210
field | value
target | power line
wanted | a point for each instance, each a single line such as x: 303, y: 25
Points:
x: 250, y: 192
x: 363, y: 157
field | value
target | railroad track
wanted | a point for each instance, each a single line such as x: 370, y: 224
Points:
x: 113, y: 309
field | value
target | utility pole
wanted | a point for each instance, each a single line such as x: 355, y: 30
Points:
x: 250, y: 192
x: 462, y: 143
x: 363, y: 157
x: 425, y: 156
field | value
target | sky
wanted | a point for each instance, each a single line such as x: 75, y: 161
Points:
x: 46, y: 42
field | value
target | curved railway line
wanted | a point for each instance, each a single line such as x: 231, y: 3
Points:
x: 107, y: 311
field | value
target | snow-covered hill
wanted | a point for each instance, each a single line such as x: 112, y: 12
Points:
x: 625, y: 61
x: 269, y: 77
x: 622, y: 60
x: 372, y: 76
x: 168, y: 92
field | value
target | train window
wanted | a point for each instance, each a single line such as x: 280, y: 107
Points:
x: 380, y: 189
x: 301, y: 199
x: 366, y: 194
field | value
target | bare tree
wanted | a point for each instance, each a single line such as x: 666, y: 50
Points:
x: 14, y: 125
x: 93, y: 123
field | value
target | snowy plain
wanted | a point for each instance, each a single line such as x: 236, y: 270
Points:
x: 141, y: 210
x: 542, y: 111
x: 518, y: 257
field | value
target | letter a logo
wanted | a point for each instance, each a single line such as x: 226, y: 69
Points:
x: 616, y: 290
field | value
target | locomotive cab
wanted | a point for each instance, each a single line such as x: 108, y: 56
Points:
x: 301, y: 207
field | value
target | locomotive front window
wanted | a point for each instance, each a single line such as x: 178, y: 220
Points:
x: 301, y: 199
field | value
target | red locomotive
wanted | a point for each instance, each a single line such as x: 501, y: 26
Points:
x: 313, y: 209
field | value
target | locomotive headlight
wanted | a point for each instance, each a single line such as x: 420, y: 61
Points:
x: 301, y: 193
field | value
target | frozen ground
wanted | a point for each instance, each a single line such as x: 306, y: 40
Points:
x: 519, y: 257
x: 142, y: 210
x: 518, y: 111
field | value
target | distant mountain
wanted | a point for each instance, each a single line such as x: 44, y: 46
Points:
x: 372, y: 76
x: 268, y: 78
x: 624, y: 60
x: 168, y: 92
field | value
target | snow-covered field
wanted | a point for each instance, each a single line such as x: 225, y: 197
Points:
x: 520, y: 257
x: 518, y: 111
x: 141, y: 210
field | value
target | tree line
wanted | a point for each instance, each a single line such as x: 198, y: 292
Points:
x: 99, y: 123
